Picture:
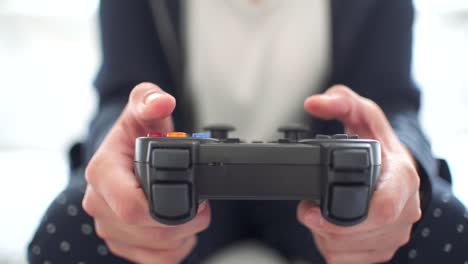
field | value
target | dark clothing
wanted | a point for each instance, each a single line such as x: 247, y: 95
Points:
x: 371, y: 53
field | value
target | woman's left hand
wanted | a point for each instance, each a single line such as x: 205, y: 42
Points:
x: 395, y: 204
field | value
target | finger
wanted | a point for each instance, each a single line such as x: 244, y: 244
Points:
x: 145, y: 255
x: 389, y: 238
x: 385, y: 207
x: 309, y: 214
x: 358, y: 114
x: 136, y: 237
x: 384, y: 211
x: 95, y: 206
x: 116, y: 187
x: 168, y: 237
x: 365, y: 257
x: 412, y: 211
x: 149, y: 109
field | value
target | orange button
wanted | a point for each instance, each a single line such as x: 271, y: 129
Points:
x: 176, y: 134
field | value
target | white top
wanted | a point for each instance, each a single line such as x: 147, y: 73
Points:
x: 251, y: 63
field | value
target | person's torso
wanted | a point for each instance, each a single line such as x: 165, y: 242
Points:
x: 251, y: 63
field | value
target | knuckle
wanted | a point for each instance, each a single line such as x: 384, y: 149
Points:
x: 119, y: 251
x: 340, y: 88
x: 414, y: 180
x: 404, y: 239
x: 92, y: 170
x: 100, y: 230
x: 332, y: 258
x: 385, y: 256
x: 417, y: 214
x: 388, y: 210
x: 138, y: 90
x: 371, y: 104
x: 88, y: 204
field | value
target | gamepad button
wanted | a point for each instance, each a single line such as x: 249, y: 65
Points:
x: 201, y: 135
x: 349, y: 202
x: 340, y: 136
x: 353, y: 137
x: 320, y: 136
x: 350, y: 159
x: 156, y: 134
x: 176, y: 134
x: 171, y: 200
x: 170, y: 158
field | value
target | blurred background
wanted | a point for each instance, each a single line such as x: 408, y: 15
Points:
x: 49, y: 54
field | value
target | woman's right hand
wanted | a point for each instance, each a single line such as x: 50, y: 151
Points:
x: 115, y: 199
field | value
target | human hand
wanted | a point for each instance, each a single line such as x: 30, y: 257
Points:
x: 115, y: 199
x: 395, y: 204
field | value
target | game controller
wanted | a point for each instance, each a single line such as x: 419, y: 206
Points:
x: 178, y: 171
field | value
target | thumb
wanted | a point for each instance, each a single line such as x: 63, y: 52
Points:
x: 150, y: 108
x: 358, y: 114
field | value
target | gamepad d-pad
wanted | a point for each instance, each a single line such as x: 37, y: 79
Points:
x: 177, y: 171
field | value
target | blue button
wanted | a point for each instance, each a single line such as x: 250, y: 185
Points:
x: 201, y: 135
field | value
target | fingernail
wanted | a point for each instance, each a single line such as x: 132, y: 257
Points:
x: 152, y: 97
x: 313, y: 217
x: 331, y: 95
x: 201, y: 207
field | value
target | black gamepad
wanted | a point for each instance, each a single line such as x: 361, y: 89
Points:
x: 338, y: 172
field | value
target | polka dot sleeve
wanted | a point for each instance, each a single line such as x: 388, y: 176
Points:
x: 66, y: 234
x: 441, y: 236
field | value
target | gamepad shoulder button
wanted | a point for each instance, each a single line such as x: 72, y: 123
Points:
x: 320, y: 136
